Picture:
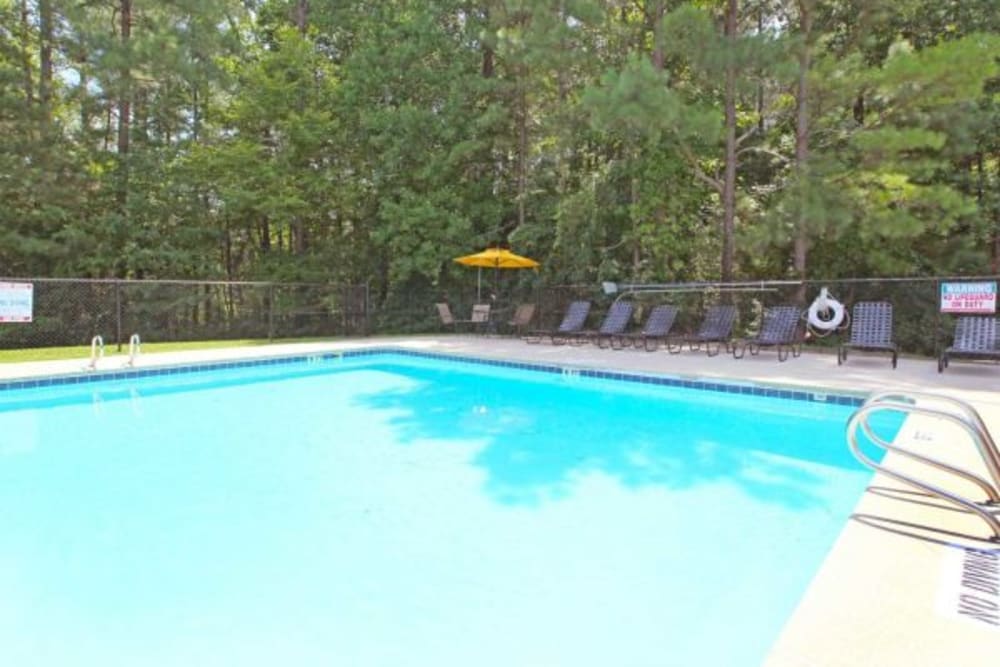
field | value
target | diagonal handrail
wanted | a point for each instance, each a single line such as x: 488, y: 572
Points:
x: 972, y: 420
x: 966, y: 417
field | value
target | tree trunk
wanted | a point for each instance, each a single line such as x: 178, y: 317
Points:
x: 658, y: 56
x: 562, y: 85
x: 522, y: 144
x: 265, y: 237
x: 488, y: 54
x: 801, y: 249
x: 124, y: 106
x: 124, y: 118
x: 28, y: 83
x: 760, y: 84
x: 658, y: 59
x: 297, y: 231
x: 729, y: 178
x: 996, y: 224
x: 45, y: 58
x: 302, y: 15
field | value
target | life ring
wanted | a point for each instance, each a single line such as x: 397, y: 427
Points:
x: 826, y: 313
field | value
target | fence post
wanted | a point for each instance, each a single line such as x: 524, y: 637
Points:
x: 270, y: 312
x: 938, y: 321
x: 367, y: 325
x: 118, y: 314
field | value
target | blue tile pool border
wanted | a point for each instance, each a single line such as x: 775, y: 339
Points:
x: 799, y: 394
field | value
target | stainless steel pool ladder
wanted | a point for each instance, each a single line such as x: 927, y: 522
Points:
x: 96, y: 351
x: 134, y: 348
x: 947, y: 409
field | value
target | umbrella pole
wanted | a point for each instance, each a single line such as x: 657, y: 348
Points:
x: 479, y: 285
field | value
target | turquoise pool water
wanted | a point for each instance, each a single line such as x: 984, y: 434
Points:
x: 396, y: 511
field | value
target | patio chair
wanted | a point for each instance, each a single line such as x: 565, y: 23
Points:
x: 480, y: 315
x: 975, y: 339
x: 871, y: 330
x: 573, y: 321
x: 656, y: 330
x: 717, y: 327
x: 522, y: 317
x: 778, y: 329
x: 615, y: 322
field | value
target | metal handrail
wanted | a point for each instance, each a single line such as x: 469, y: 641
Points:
x: 984, y: 441
x: 96, y: 351
x: 968, y: 419
x: 134, y: 347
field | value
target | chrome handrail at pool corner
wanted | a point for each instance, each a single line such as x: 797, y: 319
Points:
x: 966, y: 417
x: 96, y: 351
x: 134, y: 347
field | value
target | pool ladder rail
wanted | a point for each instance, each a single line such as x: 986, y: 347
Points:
x: 96, y: 352
x: 948, y: 409
x: 134, y: 348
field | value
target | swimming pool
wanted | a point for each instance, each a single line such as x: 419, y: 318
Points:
x: 402, y: 510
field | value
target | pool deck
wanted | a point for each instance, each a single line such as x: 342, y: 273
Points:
x: 889, y: 591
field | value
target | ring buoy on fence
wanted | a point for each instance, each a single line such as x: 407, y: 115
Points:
x: 825, y: 313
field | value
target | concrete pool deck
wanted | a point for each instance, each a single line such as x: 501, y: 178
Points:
x: 891, y: 589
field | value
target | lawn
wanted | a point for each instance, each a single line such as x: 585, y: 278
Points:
x: 83, y: 351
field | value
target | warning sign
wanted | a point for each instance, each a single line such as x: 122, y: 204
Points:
x: 969, y: 298
x: 16, y: 302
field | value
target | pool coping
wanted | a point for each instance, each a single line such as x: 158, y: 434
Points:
x: 787, y: 392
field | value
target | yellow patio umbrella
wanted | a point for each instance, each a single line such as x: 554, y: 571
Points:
x: 495, y: 258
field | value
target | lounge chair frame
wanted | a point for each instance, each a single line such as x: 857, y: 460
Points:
x: 975, y: 340
x: 716, y: 327
x: 616, y: 320
x: 779, y: 329
x: 656, y: 330
x: 573, y: 321
x: 871, y: 331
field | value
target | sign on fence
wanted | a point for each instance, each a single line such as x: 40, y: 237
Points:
x: 16, y: 302
x: 969, y: 298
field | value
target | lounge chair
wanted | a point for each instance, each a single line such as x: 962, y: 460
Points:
x: 779, y: 329
x: 975, y: 339
x: 717, y: 327
x: 522, y: 317
x: 480, y: 316
x: 615, y: 322
x: 656, y: 330
x: 573, y: 322
x: 871, y: 330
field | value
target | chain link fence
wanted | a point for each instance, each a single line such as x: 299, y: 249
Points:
x: 71, y: 312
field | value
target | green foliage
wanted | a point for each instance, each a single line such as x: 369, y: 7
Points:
x: 373, y: 142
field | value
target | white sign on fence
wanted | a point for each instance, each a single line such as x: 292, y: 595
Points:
x: 969, y: 298
x: 16, y: 302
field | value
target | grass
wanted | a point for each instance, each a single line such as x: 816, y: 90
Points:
x: 83, y: 351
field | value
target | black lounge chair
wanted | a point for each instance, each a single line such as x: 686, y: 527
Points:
x: 779, y: 329
x: 615, y: 322
x: 717, y: 327
x: 657, y: 328
x: 573, y: 321
x: 871, y: 330
x: 975, y: 339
